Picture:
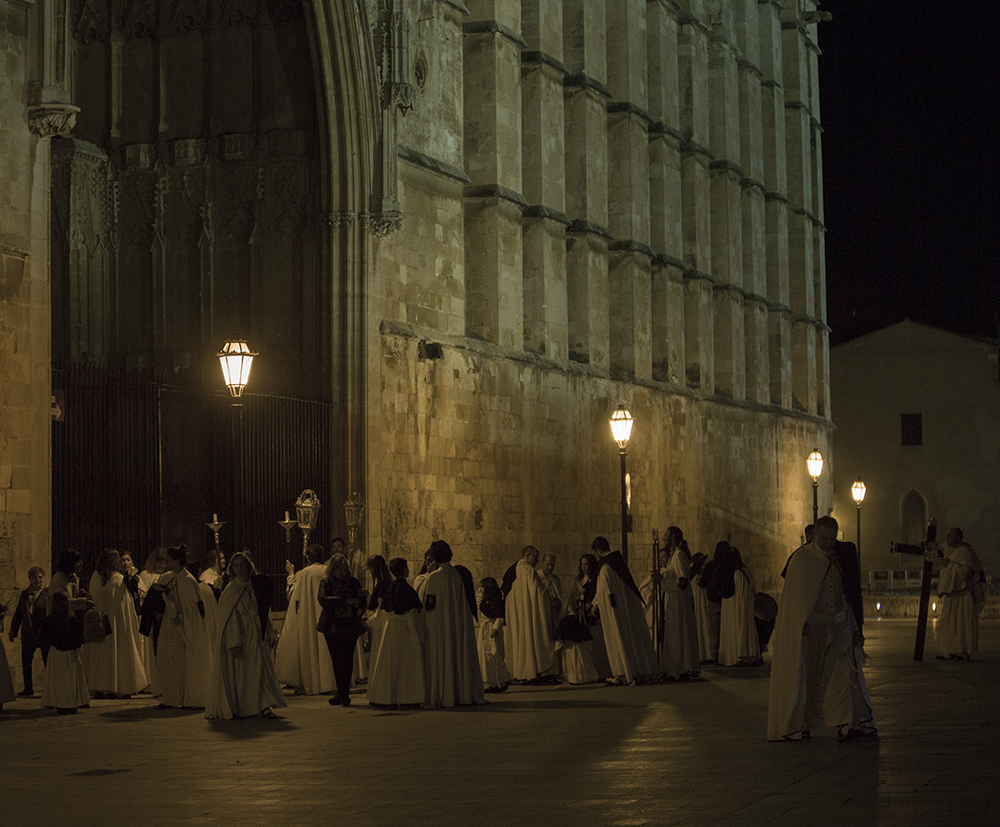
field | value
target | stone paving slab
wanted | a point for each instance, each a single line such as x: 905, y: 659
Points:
x: 672, y: 754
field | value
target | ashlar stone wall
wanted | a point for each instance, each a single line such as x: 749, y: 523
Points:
x: 604, y: 203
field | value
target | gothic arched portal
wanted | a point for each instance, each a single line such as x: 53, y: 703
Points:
x: 213, y: 187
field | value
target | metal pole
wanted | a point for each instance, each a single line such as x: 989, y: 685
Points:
x: 859, y: 537
x: 624, y: 511
x: 238, y: 527
x: 815, y: 501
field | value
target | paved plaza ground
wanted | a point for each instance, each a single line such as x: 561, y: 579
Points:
x: 677, y: 754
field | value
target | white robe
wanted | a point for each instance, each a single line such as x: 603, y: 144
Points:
x: 184, y: 650
x: 6, y: 684
x: 492, y: 662
x: 302, y: 659
x: 451, y: 660
x: 815, y: 678
x: 65, y: 684
x: 626, y: 635
x: 708, y: 617
x: 397, y: 675
x: 552, y: 584
x: 147, y: 579
x: 962, y: 597
x: 115, y: 665
x: 576, y: 658
x: 738, y: 639
x: 680, y: 655
x: 530, y: 651
x: 243, y: 684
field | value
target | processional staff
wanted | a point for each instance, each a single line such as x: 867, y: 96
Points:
x: 654, y: 574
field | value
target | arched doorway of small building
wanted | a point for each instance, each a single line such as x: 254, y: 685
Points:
x: 913, y: 518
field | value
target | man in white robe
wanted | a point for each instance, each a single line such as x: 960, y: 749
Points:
x: 530, y: 650
x: 553, y: 585
x: 183, y: 647
x: 623, y: 618
x: 302, y: 660
x: 816, y: 672
x: 451, y: 659
x: 962, y: 592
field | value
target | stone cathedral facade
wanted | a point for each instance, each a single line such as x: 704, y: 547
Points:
x: 472, y: 228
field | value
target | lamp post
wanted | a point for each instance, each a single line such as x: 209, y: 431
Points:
x: 814, y: 463
x: 858, y: 491
x: 621, y: 429
x: 236, y: 360
x: 306, y: 509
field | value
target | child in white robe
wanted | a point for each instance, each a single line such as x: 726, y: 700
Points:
x: 65, y: 687
x: 489, y: 637
x: 397, y: 678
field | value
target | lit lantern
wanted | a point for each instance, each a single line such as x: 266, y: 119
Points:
x: 236, y: 359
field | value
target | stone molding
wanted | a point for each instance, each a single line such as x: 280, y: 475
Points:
x: 585, y: 81
x: 432, y: 164
x: 51, y: 119
x: 658, y: 129
x: 495, y: 27
x: 546, y: 213
x: 628, y: 108
x: 694, y: 148
x: 533, y: 59
x: 336, y: 220
x: 498, y: 191
x: 582, y: 226
x: 632, y: 247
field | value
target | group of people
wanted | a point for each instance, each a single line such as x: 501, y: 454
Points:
x: 444, y: 641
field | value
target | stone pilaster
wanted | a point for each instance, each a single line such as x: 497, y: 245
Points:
x: 493, y: 238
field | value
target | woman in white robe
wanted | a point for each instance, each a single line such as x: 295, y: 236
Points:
x: 65, y: 688
x: 490, y: 637
x: 114, y: 666
x: 739, y: 643
x: 151, y: 572
x: 680, y: 656
x: 397, y: 677
x: 576, y: 633
x: 243, y: 682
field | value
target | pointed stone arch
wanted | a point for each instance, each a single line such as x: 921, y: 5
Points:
x: 913, y: 517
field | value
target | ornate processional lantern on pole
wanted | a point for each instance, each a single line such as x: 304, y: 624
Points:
x: 815, y: 465
x: 306, y: 509
x: 354, y: 509
x: 621, y: 429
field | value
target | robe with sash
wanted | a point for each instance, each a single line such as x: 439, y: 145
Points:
x: 184, y: 649
x: 962, y: 596
x: 817, y: 678
x: 397, y: 676
x: 738, y: 639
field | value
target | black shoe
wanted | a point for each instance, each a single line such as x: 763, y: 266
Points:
x: 26, y: 694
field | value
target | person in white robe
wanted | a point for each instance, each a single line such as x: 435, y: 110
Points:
x: 211, y: 575
x: 816, y: 673
x: 397, y: 676
x: 451, y: 659
x: 575, y: 635
x: 626, y: 635
x: 530, y: 652
x: 552, y: 583
x: 243, y: 681
x: 155, y: 566
x: 302, y: 660
x: 65, y: 688
x: 679, y: 654
x: 739, y: 643
x: 184, y: 649
x: 490, y: 636
x: 114, y: 666
x: 6, y: 683
x: 708, y: 609
x: 962, y: 590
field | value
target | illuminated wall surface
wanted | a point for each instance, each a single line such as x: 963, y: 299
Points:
x: 470, y: 229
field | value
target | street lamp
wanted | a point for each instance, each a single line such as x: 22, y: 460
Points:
x: 354, y: 509
x: 815, y: 464
x: 858, y: 491
x: 236, y: 360
x: 621, y: 429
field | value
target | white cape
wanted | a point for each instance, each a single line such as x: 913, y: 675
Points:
x: 184, y: 649
x: 116, y: 664
x: 738, y: 639
x: 530, y: 652
x: 302, y: 659
x: 626, y: 635
x: 243, y: 684
x: 451, y: 660
x: 397, y: 675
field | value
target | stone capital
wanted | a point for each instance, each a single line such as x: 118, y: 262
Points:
x: 50, y: 119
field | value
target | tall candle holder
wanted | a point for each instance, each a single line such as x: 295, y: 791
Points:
x: 214, y: 527
x: 288, y: 524
x: 306, y: 509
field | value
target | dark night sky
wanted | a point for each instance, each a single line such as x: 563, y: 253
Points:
x: 909, y: 93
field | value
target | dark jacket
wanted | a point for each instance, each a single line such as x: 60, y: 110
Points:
x: 29, y: 621
x: 342, y: 606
